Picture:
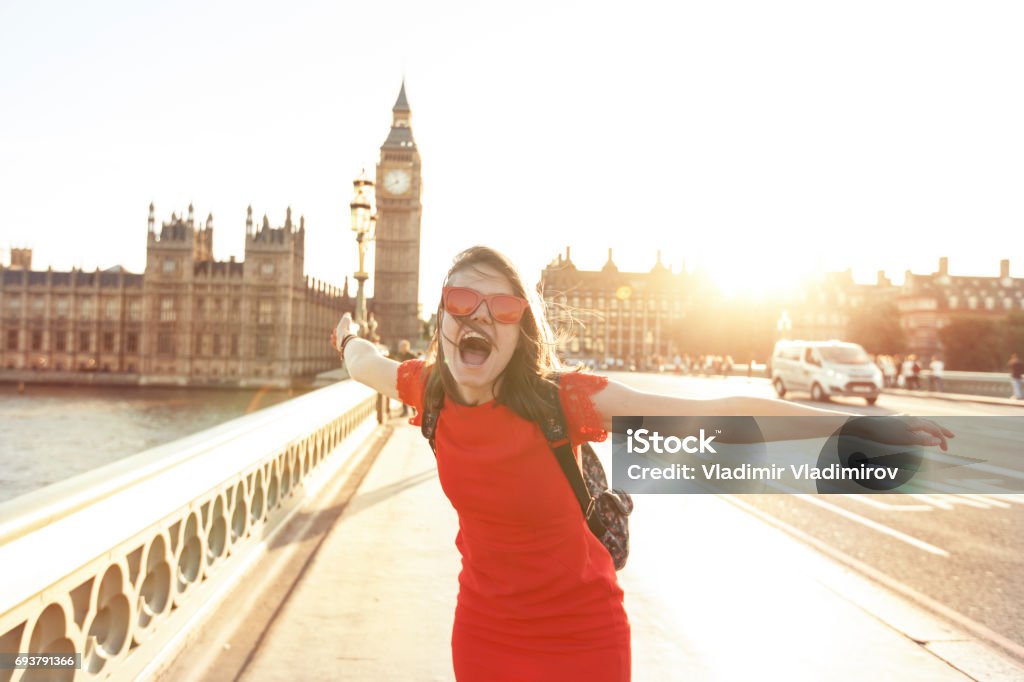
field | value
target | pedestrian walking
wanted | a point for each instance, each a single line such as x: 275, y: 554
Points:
x: 915, y: 370
x: 1017, y: 376
x: 404, y: 353
x: 908, y: 372
x: 937, y: 368
x: 539, y: 598
x: 888, y: 371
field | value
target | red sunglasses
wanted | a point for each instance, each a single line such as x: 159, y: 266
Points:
x: 505, y: 308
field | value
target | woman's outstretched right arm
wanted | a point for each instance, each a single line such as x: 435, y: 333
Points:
x: 365, y: 364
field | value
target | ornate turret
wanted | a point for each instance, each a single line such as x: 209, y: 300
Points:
x: 248, y: 220
x: 659, y: 266
x: 152, y: 217
x: 610, y: 265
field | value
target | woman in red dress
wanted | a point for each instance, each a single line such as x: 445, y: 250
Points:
x: 538, y: 595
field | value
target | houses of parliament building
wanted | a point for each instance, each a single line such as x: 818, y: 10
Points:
x: 192, y: 320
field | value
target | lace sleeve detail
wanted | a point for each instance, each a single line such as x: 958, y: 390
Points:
x: 584, y: 421
x: 410, y: 386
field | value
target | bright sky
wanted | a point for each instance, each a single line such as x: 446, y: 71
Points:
x: 757, y: 140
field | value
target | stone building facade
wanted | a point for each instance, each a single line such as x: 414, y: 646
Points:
x: 609, y: 313
x: 187, y: 320
x: 622, y: 314
x: 822, y: 308
x: 927, y: 303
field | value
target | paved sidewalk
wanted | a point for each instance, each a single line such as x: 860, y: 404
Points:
x: 712, y: 594
x: 957, y: 397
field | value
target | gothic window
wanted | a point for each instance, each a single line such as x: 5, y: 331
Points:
x: 167, y: 309
x: 169, y: 265
x: 267, y: 269
x: 12, y: 339
x: 262, y: 346
x: 266, y: 311
x: 216, y: 345
x: 165, y: 344
x: 86, y: 309
x: 234, y: 345
x: 84, y: 342
x: 132, y: 342
x: 37, y: 340
x: 108, y: 342
x: 134, y: 310
x: 62, y: 306
x: 38, y: 306
x: 111, y: 309
x: 61, y: 341
x: 14, y: 305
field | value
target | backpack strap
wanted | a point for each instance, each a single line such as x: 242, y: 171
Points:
x: 557, y: 434
x: 428, y: 421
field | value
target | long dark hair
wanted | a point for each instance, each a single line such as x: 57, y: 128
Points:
x: 534, y: 362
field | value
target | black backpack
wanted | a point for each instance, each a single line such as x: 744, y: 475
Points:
x: 606, y: 510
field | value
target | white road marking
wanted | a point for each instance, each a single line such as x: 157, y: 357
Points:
x: 885, y: 506
x: 874, y: 525
x: 990, y: 500
x: 934, y: 500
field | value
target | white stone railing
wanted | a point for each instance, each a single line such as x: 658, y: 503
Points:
x: 117, y: 564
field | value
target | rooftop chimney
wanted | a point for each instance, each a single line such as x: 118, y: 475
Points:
x: 943, y: 266
x: 1004, y: 268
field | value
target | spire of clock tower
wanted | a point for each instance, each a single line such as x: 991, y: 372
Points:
x: 400, y: 136
x: 401, y: 104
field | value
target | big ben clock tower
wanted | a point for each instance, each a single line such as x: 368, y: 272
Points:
x: 396, y: 267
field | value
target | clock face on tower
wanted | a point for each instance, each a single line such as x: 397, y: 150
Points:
x: 397, y: 181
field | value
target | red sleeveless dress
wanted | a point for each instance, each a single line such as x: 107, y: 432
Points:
x: 538, y: 596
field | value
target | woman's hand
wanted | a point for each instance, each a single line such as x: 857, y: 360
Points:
x: 899, y: 430
x: 345, y: 326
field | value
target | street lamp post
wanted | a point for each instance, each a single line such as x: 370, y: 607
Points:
x: 363, y: 224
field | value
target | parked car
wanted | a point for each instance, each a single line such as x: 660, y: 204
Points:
x: 825, y: 369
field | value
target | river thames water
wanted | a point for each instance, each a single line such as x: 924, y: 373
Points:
x: 50, y: 433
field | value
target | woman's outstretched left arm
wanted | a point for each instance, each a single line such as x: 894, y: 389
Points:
x: 618, y: 399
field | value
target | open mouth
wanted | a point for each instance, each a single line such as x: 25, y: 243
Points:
x: 474, y: 350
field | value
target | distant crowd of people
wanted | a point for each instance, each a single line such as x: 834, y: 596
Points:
x: 905, y: 371
x: 697, y: 365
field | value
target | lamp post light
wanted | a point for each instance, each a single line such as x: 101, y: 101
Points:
x: 363, y: 224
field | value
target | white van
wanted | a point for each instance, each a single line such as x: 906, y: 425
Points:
x: 825, y: 369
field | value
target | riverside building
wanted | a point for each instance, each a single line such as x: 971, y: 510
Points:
x: 187, y: 320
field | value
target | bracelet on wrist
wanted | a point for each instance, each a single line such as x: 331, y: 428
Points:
x: 344, y: 342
